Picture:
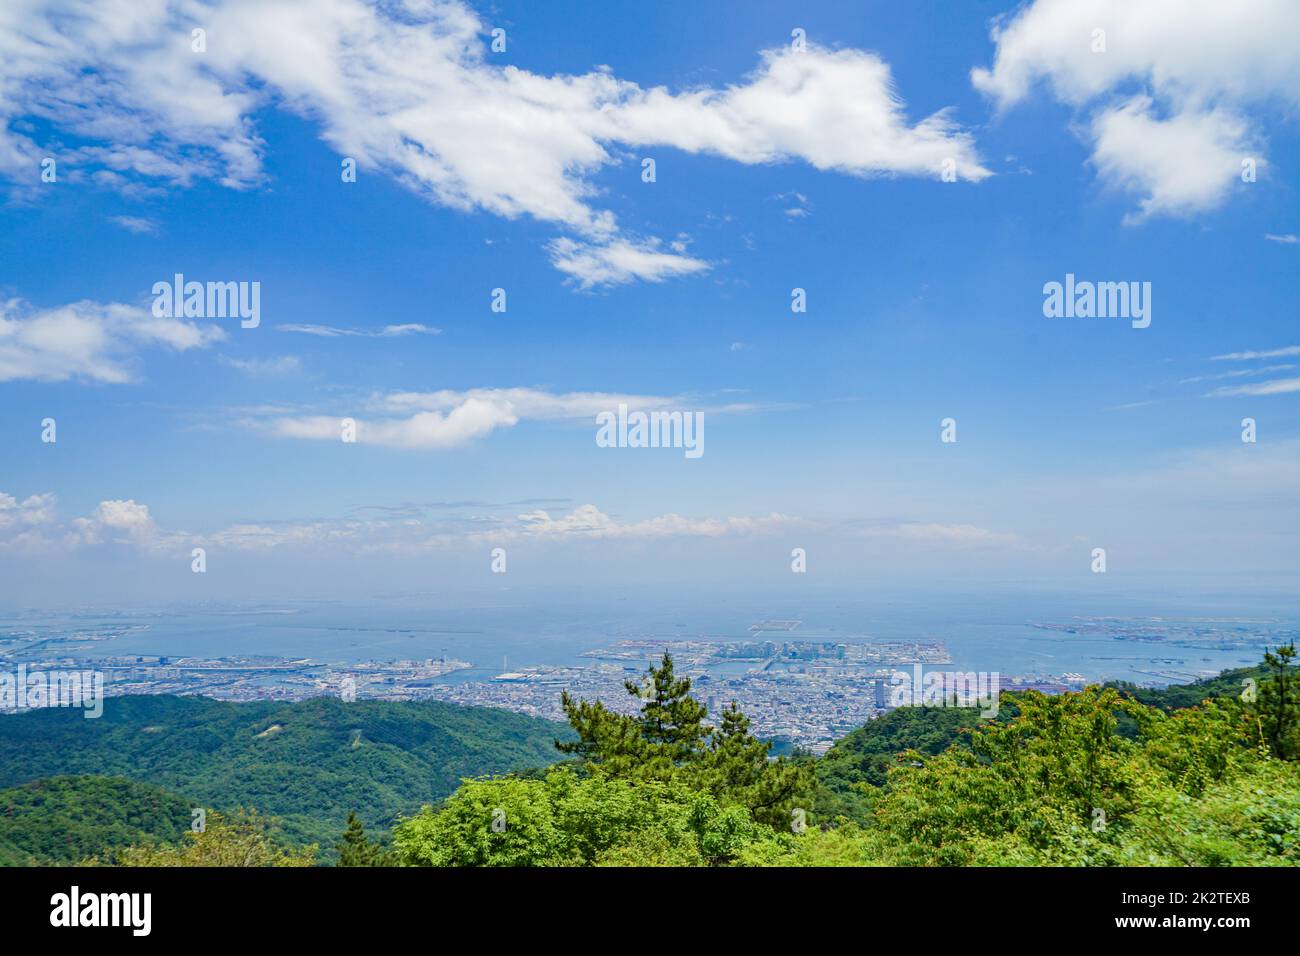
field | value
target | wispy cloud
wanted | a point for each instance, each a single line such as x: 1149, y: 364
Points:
x: 936, y: 533
x: 446, y: 419
x: 281, y: 365
x: 1289, y: 238
x: 335, y: 332
x: 798, y: 205
x: 1276, y: 386
x: 619, y: 262
x: 33, y: 524
x: 1237, y: 373
x: 1284, y: 352
x: 136, y: 224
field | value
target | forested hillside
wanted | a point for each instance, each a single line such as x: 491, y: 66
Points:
x: 306, y: 764
x: 1050, y: 781
x: 1203, y: 775
x: 62, y: 820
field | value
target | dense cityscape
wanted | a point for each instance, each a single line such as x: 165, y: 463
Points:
x: 806, y: 693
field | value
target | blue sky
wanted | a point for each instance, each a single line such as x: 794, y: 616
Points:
x: 776, y: 168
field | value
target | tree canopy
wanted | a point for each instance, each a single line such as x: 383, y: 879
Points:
x: 1103, y: 776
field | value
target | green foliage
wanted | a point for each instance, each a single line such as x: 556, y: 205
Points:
x: 1178, y: 696
x: 241, y: 838
x: 1058, y: 757
x: 571, y: 820
x: 669, y: 742
x: 658, y: 788
x: 1277, y: 706
x: 62, y: 820
x: 1250, y: 820
x: 1055, y: 785
x: 669, y: 732
x: 308, y: 764
x: 859, y: 762
x: 1095, y: 778
x: 355, y: 849
x: 1195, y: 747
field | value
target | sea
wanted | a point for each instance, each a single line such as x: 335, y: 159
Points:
x: 990, y: 630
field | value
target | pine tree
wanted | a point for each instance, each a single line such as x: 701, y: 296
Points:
x: 671, y: 718
x: 669, y: 731
x: 355, y: 849
x: 604, y: 737
x: 670, y: 741
x: 738, y: 768
x: 1278, y: 705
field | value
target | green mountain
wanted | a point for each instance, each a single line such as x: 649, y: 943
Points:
x: 1105, y: 776
x: 61, y: 820
x: 306, y: 764
x: 1229, y: 683
x: 864, y: 756
x: 1051, y: 781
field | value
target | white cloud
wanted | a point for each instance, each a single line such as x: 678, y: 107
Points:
x: 584, y: 522
x: 1237, y: 373
x: 408, y: 89
x: 263, y: 537
x: 387, y: 332
x: 1275, y: 386
x: 1246, y: 356
x: 619, y: 261
x: 1289, y: 238
x: 88, y: 340
x: 125, y: 516
x: 118, y: 522
x: 136, y: 224
x: 527, y: 402
x: 33, y: 510
x: 445, y: 419
x: 935, y: 533
x: 799, y: 208
x: 1184, y: 73
x: 472, y: 419
x: 25, y: 524
x: 282, y: 365
x: 837, y: 110
x: 32, y: 525
x: 1181, y: 165
x: 588, y: 521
